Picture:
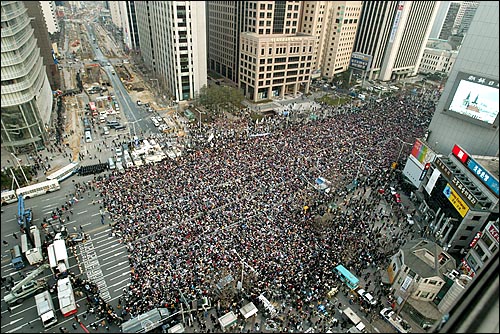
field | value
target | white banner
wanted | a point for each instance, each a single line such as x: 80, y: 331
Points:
x: 432, y: 181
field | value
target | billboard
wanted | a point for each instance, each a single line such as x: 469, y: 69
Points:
x: 432, y: 180
x: 422, y: 153
x: 455, y: 199
x: 475, y: 97
x: 360, y: 61
x: 483, y: 175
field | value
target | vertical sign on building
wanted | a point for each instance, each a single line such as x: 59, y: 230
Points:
x: 397, y: 18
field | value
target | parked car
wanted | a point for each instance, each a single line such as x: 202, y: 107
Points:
x: 409, y: 219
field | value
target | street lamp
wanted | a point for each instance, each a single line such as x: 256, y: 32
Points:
x: 243, y: 263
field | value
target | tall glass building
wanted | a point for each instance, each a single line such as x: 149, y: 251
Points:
x: 26, y: 102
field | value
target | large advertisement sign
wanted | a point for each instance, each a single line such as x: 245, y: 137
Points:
x: 483, y: 175
x: 460, y: 154
x: 360, y: 61
x: 422, y: 153
x: 432, y: 180
x: 455, y: 199
x: 475, y: 97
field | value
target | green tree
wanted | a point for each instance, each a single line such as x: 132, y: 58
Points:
x: 215, y: 97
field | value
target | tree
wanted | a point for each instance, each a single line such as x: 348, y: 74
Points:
x: 215, y: 97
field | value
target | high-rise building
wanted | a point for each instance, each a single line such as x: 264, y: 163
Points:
x: 49, y: 13
x: 115, y: 11
x: 394, y: 33
x: 467, y: 18
x: 464, y: 8
x: 129, y: 24
x: 26, y: 94
x: 173, y: 44
x: 447, y: 27
x: 258, y: 44
x: 225, y: 23
x: 438, y: 56
x: 467, y: 112
x: 334, y: 25
x: 42, y: 38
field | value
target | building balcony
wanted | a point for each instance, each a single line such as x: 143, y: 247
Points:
x: 15, y: 29
x: 14, y: 43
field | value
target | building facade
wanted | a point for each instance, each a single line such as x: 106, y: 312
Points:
x: 474, y: 126
x: 449, y: 22
x: 334, y: 25
x: 172, y: 36
x: 42, y: 38
x: 373, y: 32
x: 482, y: 248
x: 464, y: 12
x: 438, y: 56
x: 26, y: 94
x: 457, y: 197
x: 49, y: 13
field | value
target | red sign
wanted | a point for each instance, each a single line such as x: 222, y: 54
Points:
x: 493, y: 231
x: 476, y: 238
x: 460, y: 154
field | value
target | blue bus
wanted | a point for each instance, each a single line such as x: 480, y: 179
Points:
x: 347, y: 277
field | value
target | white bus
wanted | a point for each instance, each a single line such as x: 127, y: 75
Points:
x: 63, y: 173
x: 9, y: 196
x: 38, y: 189
x: 66, y: 297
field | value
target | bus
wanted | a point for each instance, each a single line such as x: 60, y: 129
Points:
x: 8, y: 196
x: 346, y: 276
x: 65, y: 172
x: 93, y: 108
x: 38, y: 189
x: 67, y: 302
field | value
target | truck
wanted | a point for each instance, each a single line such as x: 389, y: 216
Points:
x: 58, y: 258
x: 27, y: 287
x: 45, y: 308
x: 16, y: 257
x: 34, y: 255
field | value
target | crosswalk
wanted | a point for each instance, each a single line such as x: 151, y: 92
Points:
x: 103, y: 260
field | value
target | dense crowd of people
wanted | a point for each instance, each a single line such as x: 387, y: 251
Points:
x: 247, y: 196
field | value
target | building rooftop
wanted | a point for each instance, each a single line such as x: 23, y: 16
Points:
x: 426, y: 258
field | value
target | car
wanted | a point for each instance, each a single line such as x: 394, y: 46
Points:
x: 139, y: 102
x: 118, y: 152
x: 397, y: 197
x: 105, y: 130
x: 367, y: 296
x: 409, y: 219
x: 119, y: 160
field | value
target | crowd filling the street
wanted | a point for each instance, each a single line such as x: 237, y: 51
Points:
x: 250, y: 200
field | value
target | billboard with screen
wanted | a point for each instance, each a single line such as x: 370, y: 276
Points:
x: 475, y: 97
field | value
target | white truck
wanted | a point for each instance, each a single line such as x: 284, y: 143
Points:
x: 45, y: 308
x: 34, y: 255
x: 58, y: 258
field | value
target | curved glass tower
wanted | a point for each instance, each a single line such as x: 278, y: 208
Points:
x: 26, y: 101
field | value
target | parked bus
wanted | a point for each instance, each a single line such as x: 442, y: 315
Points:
x: 38, y: 189
x: 67, y: 302
x: 63, y: 173
x: 93, y: 108
x: 9, y: 196
x: 347, y: 277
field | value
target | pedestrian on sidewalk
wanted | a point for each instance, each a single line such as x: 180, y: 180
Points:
x: 14, y: 235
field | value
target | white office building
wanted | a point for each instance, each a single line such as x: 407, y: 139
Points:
x: 172, y: 36
x: 49, y: 13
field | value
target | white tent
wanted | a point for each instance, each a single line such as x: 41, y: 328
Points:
x: 248, y: 310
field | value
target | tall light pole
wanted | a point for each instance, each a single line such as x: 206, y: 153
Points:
x: 22, y: 170
x: 243, y: 263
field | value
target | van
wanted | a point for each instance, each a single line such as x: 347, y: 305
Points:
x: 111, y: 164
x: 88, y: 137
x: 17, y: 258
